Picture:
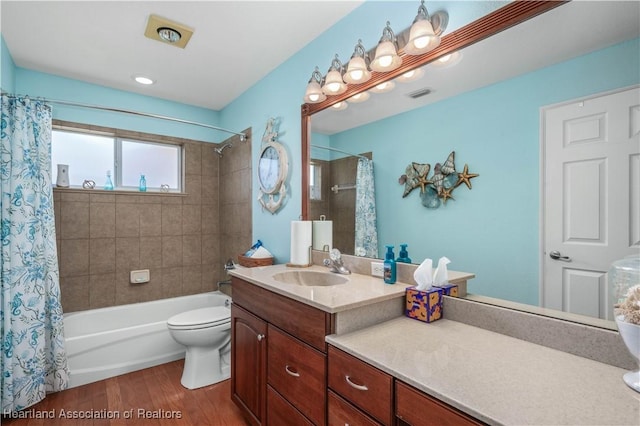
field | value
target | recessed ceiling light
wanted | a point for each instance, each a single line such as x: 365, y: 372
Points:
x: 169, y: 34
x: 143, y: 80
x: 167, y: 31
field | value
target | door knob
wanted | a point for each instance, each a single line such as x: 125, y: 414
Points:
x: 555, y: 255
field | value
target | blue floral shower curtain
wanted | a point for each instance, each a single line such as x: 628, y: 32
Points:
x: 366, y: 240
x: 32, y: 359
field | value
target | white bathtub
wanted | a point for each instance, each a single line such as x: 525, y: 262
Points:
x: 107, y: 342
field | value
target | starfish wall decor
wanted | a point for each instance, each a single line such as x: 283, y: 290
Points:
x: 437, y: 189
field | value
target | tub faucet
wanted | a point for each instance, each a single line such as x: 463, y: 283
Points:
x: 334, y: 263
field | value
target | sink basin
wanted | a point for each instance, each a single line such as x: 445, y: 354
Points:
x: 310, y: 278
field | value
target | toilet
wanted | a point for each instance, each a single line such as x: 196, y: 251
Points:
x: 206, y: 333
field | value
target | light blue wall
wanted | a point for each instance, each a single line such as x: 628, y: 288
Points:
x: 50, y: 86
x: 7, y: 68
x: 280, y: 94
x: 493, y: 229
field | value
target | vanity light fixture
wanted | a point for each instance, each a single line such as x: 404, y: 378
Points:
x: 314, y: 94
x: 422, y: 37
x: 447, y: 60
x: 386, y: 58
x: 340, y: 106
x: 359, y: 97
x: 333, y: 82
x: 412, y: 75
x: 385, y: 87
x: 358, y: 67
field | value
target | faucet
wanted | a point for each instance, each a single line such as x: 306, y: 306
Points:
x: 334, y: 263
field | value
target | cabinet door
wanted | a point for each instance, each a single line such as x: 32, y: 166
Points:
x: 341, y: 413
x: 282, y: 413
x: 416, y: 408
x: 366, y: 387
x: 297, y: 372
x: 248, y: 364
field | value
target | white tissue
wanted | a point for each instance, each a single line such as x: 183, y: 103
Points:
x: 423, y: 276
x: 441, y: 276
x: 261, y: 253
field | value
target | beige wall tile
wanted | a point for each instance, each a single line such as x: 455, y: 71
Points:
x: 211, y: 249
x: 210, y: 161
x: 193, y: 161
x: 102, y: 220
x: 74, y: 219
x: 211, y: 221
x: 191, y: 250
x: 102, y: 198
x: 127, y: 222
x: 102, y: 255
x: 171, y: 219
x: 102, y: 290
x: 172, y: 281
x: 150, y: 252
x: 210, y: 190
x: 150, y: 219
x: 191, y: 219
x: 191, y: 279
x: 171, y: 251
x: 193, y: 189
x: 127, y: 254
x: 74, y: 293
x: 74, y: 257
x: 74, y: 197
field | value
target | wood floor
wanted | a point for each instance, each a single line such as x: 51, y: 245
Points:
x: 149, y: 397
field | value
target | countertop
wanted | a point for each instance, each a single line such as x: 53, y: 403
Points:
x: 360, y: 290
x: 495, y: 378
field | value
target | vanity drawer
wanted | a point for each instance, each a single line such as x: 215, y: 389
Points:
x: 361, y: 384
x: 417, y: 408
x: 297, y: 372
x: 281, y: 413
x: 302, y: 321
x: 341, y: 413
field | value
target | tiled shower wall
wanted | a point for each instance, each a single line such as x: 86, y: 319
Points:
x: 102, y: 236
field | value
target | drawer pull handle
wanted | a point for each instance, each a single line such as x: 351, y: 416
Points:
x: 355, y: 385
x: 260, y: 337
x: 291, y: 373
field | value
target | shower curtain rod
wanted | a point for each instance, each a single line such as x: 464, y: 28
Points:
x: 338, y: 150
x: 243, y: 136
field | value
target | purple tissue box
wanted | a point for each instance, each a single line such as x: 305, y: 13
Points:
x: 424, y: 305
x: 450, y: 289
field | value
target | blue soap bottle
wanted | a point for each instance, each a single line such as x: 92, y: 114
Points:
x: 389, y: 266
x: 403, y: 256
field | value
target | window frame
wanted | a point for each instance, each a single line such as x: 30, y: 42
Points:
x: 118, y: 137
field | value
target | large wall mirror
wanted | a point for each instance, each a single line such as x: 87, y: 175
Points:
x: 487, y: 108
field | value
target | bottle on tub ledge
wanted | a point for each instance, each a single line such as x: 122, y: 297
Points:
x: 143, y: 184
x: 389, y: 266
x: 108, y: 185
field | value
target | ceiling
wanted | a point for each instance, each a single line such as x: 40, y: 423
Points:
x: 234, y: 45
x: 565, y: 32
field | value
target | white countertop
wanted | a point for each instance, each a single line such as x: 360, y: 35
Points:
x: 360, y: 290
x: 495, y: 378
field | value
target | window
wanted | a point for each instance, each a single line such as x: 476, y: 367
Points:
x: 315, y: 182
x: 91, y: 156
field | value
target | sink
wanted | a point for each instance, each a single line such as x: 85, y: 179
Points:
x: 310, y: 278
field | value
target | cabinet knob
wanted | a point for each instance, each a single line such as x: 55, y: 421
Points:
x: 355, y: 385
x: 260, y: 337
x: 291, y: 372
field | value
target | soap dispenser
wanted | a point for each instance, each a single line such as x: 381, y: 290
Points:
x: 403, y: 256
x: 389, y: 266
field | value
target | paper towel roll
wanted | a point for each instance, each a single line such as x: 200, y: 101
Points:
x: 301, y: 240
x: 322, y: 234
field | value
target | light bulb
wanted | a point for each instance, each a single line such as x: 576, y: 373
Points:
x: 445, y: 58
x: 385, y: 61
x: 382, y: 86
x: 356, y: 75
x: 333, y: 87
x: 314, y: 97
x: 409, y: 74
x: 421, y: 42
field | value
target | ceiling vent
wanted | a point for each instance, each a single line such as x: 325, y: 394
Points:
x: 419, y: 93
x: 166, y: 31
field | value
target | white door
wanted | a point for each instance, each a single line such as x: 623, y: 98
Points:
x: 591, y: 198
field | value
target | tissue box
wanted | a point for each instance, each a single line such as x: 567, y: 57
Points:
x: 450, y: 289
x: 424, y: 305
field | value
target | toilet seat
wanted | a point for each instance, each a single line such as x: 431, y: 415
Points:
x: 200, y: 318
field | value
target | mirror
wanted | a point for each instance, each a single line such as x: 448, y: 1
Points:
x: 493, y: 229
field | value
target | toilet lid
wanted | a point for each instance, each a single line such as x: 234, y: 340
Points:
x: 211, y: 316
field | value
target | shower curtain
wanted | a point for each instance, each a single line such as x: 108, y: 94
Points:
x: 32, y: 358
x: 366, y: 240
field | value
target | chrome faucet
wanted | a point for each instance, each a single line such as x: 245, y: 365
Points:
x: 334, y: 263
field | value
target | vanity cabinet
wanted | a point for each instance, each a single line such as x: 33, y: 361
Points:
x: 283, y: 349
x: 360, y: 394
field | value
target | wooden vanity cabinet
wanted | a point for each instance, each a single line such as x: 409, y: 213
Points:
x: 414, y: 407
x: 289, y: 358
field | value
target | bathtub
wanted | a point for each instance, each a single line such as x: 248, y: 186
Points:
x: 107, y: 342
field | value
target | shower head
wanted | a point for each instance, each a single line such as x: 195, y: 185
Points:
x: 221, y: 148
